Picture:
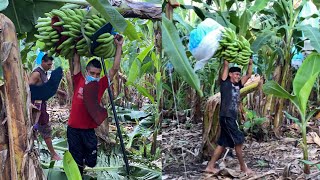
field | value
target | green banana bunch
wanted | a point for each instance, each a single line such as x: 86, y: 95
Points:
x: 70, y: 22
x: 82, y: 47
x: 234, y: 49
x: 106, y: 48
x: 47, y: 34
x: 93, y: 25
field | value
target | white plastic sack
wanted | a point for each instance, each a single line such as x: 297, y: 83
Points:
x: 204, y: 41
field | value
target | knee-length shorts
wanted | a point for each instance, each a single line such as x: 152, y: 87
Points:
x: 230, y: 134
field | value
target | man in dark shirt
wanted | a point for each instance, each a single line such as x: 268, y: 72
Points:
x: 230, y: 135
x: 39, y: 77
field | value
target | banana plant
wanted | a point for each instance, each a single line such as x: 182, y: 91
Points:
x: 302, y: 86
x: 71, y: 167
x: 279, y: 26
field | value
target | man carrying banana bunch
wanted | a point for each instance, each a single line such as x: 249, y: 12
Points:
x: 86, y: 113
x: 230, y: 135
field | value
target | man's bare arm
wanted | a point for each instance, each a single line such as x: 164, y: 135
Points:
x: 116, y: 64
x: 225, y: 70
x: 76, y: 64
x: 245, y: 78
x: 34, y: 78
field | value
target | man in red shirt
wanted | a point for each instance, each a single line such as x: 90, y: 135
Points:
x: 82, y: 140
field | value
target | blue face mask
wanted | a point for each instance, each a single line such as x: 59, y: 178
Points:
x: 90, y: 79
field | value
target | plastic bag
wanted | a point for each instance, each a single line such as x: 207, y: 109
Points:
x: 39, y: 57
x: 204, y: 41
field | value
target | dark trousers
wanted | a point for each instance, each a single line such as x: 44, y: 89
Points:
x: 83, y: 146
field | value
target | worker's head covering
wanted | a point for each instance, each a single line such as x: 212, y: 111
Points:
x: 234, y: 69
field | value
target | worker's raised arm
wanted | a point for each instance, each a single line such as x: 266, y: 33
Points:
x: 245, y: 78
x: 225, y: 70
x: 116, y: 64
x: 76, y: 64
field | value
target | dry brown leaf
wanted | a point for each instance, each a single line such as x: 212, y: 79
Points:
x: 315, y: 137
x: 230, y: 172
x: 282, y: 148
x: 287, y: 139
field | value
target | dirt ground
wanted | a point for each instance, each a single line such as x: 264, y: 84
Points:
x: 181, y: 153
x: 274, y: 159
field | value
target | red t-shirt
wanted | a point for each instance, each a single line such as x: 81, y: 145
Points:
x: 79, y: 116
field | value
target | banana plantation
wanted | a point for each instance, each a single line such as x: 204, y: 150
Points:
x: 279, y: 104
x: 161, y: 89
x: 128, y: 144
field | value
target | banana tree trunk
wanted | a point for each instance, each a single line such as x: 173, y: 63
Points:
x: 306, y: 168
x: 196, y: 113
x: 23, y: 163
x: 157, y: 36
x: 63, y: 86
x: 115, y: 85
x: 211, y: 126
x: 272, y: 103
x: 268, y: 105
x: 284, y: 81
x: 69, y: 86
x: 142, y: 10
x: 4, y: 141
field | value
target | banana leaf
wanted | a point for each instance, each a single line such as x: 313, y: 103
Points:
x: 134, y: 72
x: 302, y: 83
x: 305, y: 79
x: 261, y: 40
x: 70, y: 167
x: 145, y: 52
x: 271, y: 87
x: 175, y: 51
x: 244, y: 22
x: 115, y: 18
x: 313, y: 34
x: 55, y: 173
x: 258, y: 6
x: 178, y: 18
x: 24, y: 13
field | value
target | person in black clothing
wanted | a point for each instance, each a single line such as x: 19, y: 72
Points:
x: 230, y: 135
